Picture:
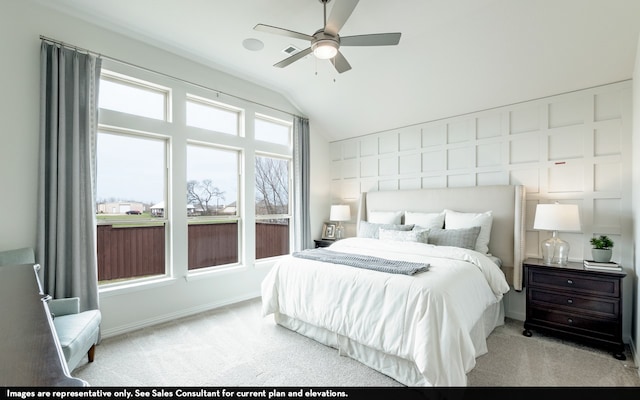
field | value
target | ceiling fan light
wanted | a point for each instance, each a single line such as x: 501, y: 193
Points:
x: 325, y: 49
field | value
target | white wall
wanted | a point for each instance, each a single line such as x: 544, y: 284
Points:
x: 573, y: 148
x: 635, y: 332
x: 21, y: 24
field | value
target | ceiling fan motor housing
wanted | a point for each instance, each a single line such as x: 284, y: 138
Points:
x: 325, y: 46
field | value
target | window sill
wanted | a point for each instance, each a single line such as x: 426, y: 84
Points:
x: 118, y: 289
x: 208, y: 273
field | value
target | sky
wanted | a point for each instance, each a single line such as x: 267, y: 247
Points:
x: 131, y: 168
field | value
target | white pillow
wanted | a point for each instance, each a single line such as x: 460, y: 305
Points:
x: 385, y: 217
x: 457, y: 220
x: 404, y: 236
x: 425, y: 220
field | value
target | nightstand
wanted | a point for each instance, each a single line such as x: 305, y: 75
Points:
x: 575, y: 303
x: 323, y: 242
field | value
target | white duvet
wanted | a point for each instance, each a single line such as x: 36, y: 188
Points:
x: 425, y: 318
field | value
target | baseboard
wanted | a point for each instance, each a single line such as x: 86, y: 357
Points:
x: 175, y: 315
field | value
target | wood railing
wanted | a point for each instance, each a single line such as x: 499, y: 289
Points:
x: 126, y: 252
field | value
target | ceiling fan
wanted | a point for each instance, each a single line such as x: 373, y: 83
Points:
x: 326, y: 42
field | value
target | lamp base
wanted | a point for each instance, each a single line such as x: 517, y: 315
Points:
x: 555, y: 250
x: 339, y: 231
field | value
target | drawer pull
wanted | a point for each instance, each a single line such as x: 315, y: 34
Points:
x: 569, y: 281
x: 569, y: 320
x: 570, y: 301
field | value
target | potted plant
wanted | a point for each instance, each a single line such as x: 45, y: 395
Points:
x: 601, y: 250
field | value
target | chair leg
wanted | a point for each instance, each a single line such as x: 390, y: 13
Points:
x: 91, y: 353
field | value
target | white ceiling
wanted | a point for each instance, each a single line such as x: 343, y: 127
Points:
x: 454, y: 56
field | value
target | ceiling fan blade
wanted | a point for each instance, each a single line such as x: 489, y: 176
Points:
x: 281, y: 31
x: 375, y: 39
x: 293, y: 58
x: 340, y: 12
x: 340, y: 63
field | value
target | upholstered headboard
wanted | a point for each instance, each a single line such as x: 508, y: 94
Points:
x: 507, y: 203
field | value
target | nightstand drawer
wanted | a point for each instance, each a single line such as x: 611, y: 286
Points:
x: 593, y: 327
x: 601, y: 285
x: 570, y: 302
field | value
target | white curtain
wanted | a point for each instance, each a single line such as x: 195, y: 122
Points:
x: 301, y: 161
x: 66, y: 242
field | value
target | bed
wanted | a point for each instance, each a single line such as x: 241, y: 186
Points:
x: 423, y: 325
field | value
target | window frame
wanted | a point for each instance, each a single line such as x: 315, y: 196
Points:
x: 219, y: 218
x: 276, y: 121
x: 290, y: 214
x: 164, y: 220
x: 179, y: 135
x: 133, y: 82
x: 204, y: 101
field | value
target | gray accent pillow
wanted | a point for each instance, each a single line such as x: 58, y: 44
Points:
x: 370, y: 230
x: 404, y: 236
x: 463, y: 237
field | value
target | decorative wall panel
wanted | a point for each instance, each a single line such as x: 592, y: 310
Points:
x: 369, y: 147
x: 488, y: 155
x: 388, y: 166
x: 566, y: 143
x: 434, y: 134
x: 566, y: 178
x: 567, y: 112
x: 368, y: 167
x: 606, y: 139
x: 489, y: 126
x: 524, y: 119
x: 461, y: 131
x: 350, y: 169
x: 410, y: 139
x: 434, y: 161
x: 410, y: 164
x: 388, y: 143
x: 460, y: 158
x: 571, y: 148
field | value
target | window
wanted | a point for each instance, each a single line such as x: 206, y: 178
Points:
x: 272, y: 206
x: 131, y: 186
x: 171, y: 158
x: 272, y: 130
x: 212, y: 198
x: 130, y: 96
x: 205, y: 114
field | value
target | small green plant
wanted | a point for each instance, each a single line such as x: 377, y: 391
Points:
x: 601, y: 242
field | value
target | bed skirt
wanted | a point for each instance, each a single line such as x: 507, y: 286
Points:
x: 402, y: 370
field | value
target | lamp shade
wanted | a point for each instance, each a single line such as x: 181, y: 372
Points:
x: 557, y: 217
x: 340, y: 213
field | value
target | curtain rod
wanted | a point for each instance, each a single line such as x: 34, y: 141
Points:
x: 80, y: 49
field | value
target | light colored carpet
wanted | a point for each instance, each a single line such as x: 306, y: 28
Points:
x: 235, y: 346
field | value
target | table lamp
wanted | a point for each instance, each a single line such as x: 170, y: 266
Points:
x: 340, y: 213
x: 556, y: 217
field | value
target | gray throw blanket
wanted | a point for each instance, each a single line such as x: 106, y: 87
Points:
x: 363, y: 261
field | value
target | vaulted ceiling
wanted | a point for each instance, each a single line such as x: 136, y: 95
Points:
x: 454, y: 56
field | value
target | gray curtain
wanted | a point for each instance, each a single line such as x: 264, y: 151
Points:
x: 301, y: 161
x: 66, y: 242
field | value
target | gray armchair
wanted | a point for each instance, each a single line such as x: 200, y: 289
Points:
x: 77, y: 332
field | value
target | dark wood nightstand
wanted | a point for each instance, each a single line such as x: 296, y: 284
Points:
x: 323, y: 242
x: 575, y: 303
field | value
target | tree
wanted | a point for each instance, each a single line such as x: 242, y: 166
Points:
x: 272, y: 186
x: 201, y: 193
